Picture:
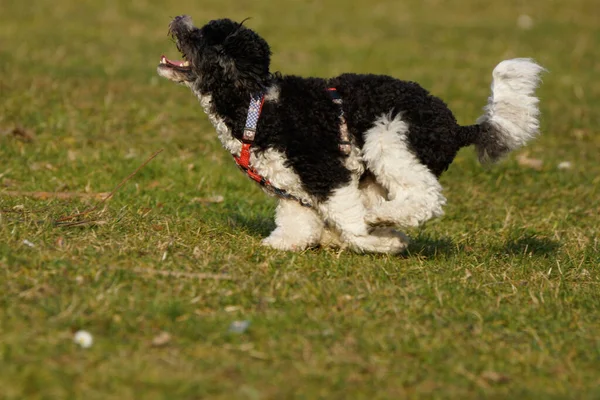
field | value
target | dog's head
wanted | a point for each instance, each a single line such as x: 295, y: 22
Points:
x: 221, y: 53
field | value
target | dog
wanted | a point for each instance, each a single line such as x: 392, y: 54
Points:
x: 351, y: 158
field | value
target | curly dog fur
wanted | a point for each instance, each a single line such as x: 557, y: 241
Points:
x: 403, y: 138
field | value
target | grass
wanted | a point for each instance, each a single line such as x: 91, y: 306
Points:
x: 499, y: 298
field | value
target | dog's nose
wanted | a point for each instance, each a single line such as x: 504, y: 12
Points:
x: 181, y: 24
x: 183, y: 20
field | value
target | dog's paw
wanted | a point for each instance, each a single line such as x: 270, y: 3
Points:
x: 331, y: 238
x: 395, y: 241
x: 278, y: 241
x: 376, y: 219
x: 380, y: 240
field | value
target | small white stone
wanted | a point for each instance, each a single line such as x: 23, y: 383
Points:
x: 84, y: 339
x: 28, y: 243
x: 565, y: 165
x: 525, y: 22
x: 239, y: 326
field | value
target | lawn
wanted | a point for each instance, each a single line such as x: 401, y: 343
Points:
x: 499, y: 298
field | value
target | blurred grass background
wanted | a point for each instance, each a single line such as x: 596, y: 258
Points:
x: 499, y: 298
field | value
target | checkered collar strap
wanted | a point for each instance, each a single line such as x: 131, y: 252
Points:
x: 254, y: 109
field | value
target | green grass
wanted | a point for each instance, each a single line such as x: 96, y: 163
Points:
x: 499, y: 298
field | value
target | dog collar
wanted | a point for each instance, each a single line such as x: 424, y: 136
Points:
x: 243, y: 160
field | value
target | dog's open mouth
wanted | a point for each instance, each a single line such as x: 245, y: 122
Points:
x: 182, y: 65
x: 176, y: 71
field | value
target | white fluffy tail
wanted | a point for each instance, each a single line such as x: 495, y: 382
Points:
x: 511, y: 115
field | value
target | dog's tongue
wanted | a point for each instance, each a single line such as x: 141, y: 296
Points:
x: 180, y: 64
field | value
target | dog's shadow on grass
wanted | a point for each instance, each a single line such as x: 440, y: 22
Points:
x: 531, y: 244
x: 425, y: 246
x: 255, y: 225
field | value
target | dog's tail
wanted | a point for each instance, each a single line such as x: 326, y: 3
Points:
x: 511, y: 115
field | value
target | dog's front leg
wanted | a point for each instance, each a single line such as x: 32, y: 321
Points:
x: 298, y: 227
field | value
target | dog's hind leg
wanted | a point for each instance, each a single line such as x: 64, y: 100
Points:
x: 298, y: 227
x: 345, y: 212
x: 414, y: 193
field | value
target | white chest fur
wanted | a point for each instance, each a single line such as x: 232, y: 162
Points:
x: 230, y: 143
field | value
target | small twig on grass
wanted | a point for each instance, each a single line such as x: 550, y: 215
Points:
x: 180, y: 274
x: 3, y: 210
x: 472, y: 377
x: 56, y: 195
x: 60, y: 221
x: 20, y: 209
x: 520, y: 283
x: 87, y: 222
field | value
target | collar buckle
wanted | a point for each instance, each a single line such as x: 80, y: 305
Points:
x: 249, y: 134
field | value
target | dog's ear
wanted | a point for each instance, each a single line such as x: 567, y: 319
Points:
x: 227, y: 64
x: 245, y: 58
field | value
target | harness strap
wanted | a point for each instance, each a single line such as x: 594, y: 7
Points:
x: 345, y: 145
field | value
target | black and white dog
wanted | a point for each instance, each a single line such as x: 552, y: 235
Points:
x: 351, y: 157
